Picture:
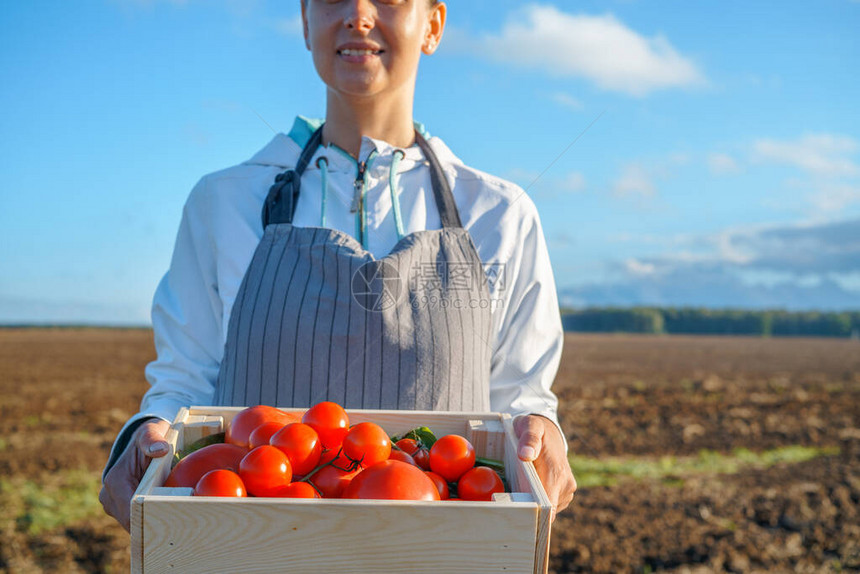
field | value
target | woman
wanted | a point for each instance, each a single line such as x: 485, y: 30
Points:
x: 365, y: 279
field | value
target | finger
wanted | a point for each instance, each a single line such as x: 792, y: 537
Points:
x: 115, y: 493
x: 564, y: 500
x: 566, y: 492
x: 531, y: 438
x: 151, y: 440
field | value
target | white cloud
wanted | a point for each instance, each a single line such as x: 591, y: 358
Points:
x: 638, y: 178
x: 828, y: 161
x: 790, y: 266
x: 677, y: 159
x: 723, y: 164
x: 818, y: 154
x: 799, y: 249
x: 638, y: 268
x: 567, y: 101
x: 833, y: 197
x: 574, y: 182
x: 634, y: 180
x: 598, y: 48
x: 729, y: 249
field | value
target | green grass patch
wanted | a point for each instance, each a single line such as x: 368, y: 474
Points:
x: 58, y: 500
x: 32, y: 421
x: 673, y: 470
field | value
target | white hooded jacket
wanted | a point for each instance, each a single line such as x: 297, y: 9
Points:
x: 221, y: 227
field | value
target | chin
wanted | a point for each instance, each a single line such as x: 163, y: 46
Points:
x: 358, y: 87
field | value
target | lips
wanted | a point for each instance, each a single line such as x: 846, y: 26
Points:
x: 359, y: 52
x: 349, y: 52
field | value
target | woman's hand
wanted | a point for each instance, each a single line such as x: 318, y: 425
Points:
x: 541, y: 442
x: 122, y: 479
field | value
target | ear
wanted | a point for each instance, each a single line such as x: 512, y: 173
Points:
x: 435, y: 28
x: 305, y: 30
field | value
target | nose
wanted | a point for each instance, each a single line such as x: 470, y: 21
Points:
x: 359, y: 15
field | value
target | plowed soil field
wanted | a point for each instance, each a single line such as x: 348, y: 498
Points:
x: 693, y: 454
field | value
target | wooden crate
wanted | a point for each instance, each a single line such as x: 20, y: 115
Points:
x: 172, y: 531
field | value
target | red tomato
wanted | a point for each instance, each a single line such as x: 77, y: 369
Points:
x: 422, y: 458
x: 220, y: 482
x: 408, y: 445
x: 243, y: 424
x: 330, y: 421
x: 301, y: 445
x: 451, y: 456
x: 331, y: 480
x: 297, y: 490
x: 392, y: 480
x: 479, y: 483
x: 401, y: 456
x: 264, y: 470
x: 367, y: 443
x: 440, y: 483
x: 420, y: 454
x: 263, y: 433
x: 192, y: 468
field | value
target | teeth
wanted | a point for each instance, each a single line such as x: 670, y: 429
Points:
x: 349, y: 52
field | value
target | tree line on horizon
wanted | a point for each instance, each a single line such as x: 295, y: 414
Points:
x: 702, y: 321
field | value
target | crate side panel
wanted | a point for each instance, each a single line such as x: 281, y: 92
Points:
x: 523, y: 477
x: 395, y: 422
x: 136, y: 533
x: 193, y: 535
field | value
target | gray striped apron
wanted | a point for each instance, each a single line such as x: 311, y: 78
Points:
x: 317, y: 317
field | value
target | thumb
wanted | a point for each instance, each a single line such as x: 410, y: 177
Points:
x: 151, y: 441
x: 530, y: 431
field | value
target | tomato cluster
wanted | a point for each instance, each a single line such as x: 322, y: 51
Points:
x: 268, y: 452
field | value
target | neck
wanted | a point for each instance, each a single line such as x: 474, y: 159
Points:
x: 348, y: 120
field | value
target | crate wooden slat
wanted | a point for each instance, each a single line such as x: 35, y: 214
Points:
x: 172, y: 531
x: 488, y: 438
x: 196, y: 427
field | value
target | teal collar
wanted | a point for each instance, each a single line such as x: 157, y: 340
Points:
x: 303, y: 128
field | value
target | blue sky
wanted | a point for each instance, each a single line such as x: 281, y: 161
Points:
x: 723, y: 167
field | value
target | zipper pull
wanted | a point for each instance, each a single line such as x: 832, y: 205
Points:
x: 358, y: 186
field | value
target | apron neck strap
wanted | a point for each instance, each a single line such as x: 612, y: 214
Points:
x: 448, y: 213
x: 280, y: 204
x: 309, y: 150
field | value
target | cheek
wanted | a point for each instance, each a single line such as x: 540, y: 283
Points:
x: 410, y: 30
x: 409, y: 47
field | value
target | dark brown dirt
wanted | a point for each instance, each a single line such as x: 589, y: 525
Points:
x: 65, y: 393
x: 625, y: 395
x: 654, y: 396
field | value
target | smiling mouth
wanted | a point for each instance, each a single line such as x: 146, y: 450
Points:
x: 350, y: 52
